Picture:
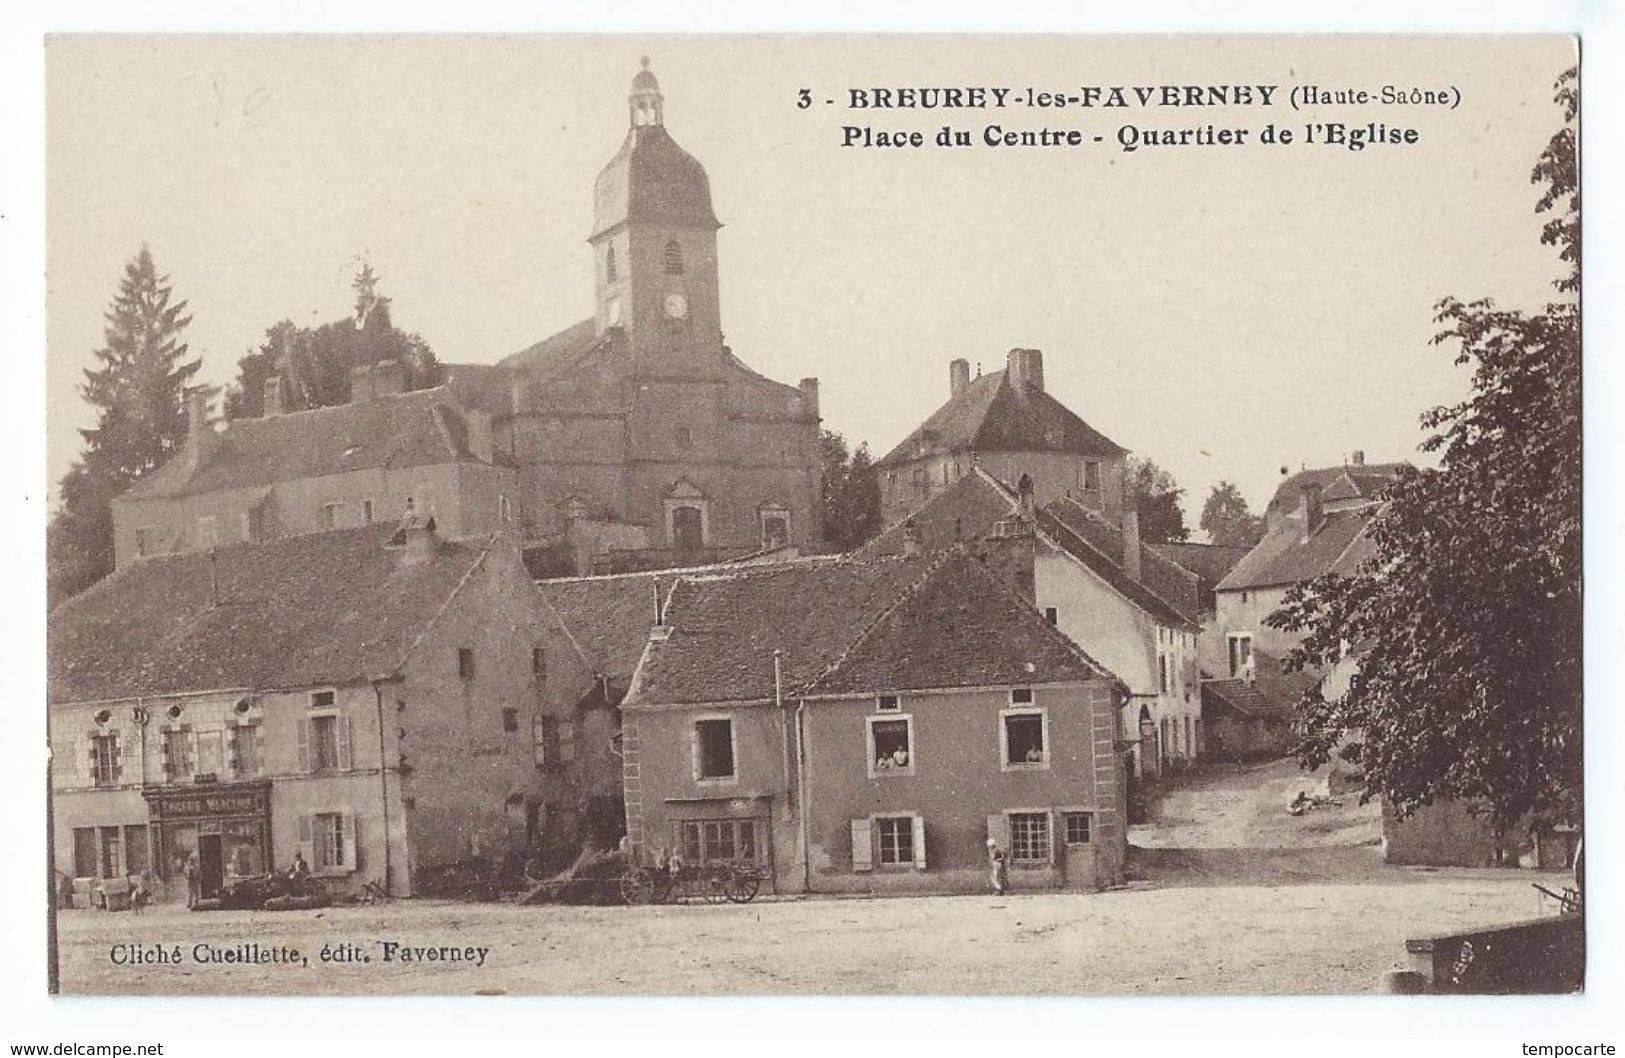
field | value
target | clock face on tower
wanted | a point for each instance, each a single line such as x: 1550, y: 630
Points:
x: 676, y: 306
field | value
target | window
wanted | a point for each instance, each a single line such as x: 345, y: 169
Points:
x: 896, y: 834
x: 510, y: 720
x: 775, y: 527
x: 328, y: 841
x: 106, y: 762
x: 1024, y: 733
x: 85, y: 856
x: 685, y: 438
x: 366, y: 512
x: 1029, y: 837
x: 891, y: 745
x: 1077, y: 827
x: 714, y: 749
x: 211, y: 758
x: 538, y: 663
x: 1091, y: 475
x: 248, y: 754
x: 324, y: 743
x: 611, y: 273
x: 143, y: 542
x: 322, y: 699
x: 1021, y: 696
x: 1165, y: 679
x: 1051, y: 615
x: 504, y: 509
x: 546, y: 733
x: 135, y: 849
x: 716, y: 840
x: 330, y: 515
x: 465, y: 663
x: 178, y: 756
x: 887, y: 703
x: 674, y: 258
x: 1241, y: 653
x: 208, y: 531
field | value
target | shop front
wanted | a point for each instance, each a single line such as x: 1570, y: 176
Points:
x: 226, y: 825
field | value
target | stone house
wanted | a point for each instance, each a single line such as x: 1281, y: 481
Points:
x: 290, y: 473
x: 1006, y: 423
x: 866, y: 725
x: 373, y: 698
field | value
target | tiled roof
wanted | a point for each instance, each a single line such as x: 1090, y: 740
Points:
x: 963, y: 511
x: 421, y: 428
x: 1362, y: 480
x: 303, y: 611
x: 556, y: 353
x: 1240, y: 697
x: 1211, y: 562
x: 1165, y: 590
x: 488, y: 387
x: 988, y: 415
x: 609, y: 617
x: 1285, y: 557
x: 906, y: 622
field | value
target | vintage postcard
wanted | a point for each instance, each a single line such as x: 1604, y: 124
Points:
x: 814, y: 515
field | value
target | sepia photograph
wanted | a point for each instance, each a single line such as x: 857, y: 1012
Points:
x: 995, y: 515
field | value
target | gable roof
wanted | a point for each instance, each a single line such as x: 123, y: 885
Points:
x: 989, y: 415
x: 1165, y: 590
x: 557, y: 353
x: 1353, y: 481
x: 1285, y: 557
x: 422, y: 428
x: 902, y: 622
x: 609, y: 617
x: 298, y: 612
x: 963, y: 511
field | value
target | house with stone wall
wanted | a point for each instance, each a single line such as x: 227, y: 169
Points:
x: 867, y: 725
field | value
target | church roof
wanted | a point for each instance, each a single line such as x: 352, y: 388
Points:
x: 422, y: 428
x: 557, y: 353
x: 652, y: 181
x: 988, y: 415
x: 297, y: 612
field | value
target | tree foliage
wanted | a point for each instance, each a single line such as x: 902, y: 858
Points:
x: 851, y: 493
x: 315, y: 362
x: 1464, y: 677
x: 1155, y: 494
x: 1227, y: 520
x: 138, y: 390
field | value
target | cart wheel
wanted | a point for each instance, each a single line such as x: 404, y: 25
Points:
x: 743, y: 886
x: 637, y: 886
x: 714, y: 886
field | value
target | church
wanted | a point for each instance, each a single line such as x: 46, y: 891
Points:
x: 640, y: 439
x: 634, y: 439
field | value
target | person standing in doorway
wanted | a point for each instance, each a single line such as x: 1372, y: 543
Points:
x: 194, y: 881
x: 999, y: 865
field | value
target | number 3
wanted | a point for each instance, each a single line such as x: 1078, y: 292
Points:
x: 803, y: 98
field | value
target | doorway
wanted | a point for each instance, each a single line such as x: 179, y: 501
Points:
x: 687, y: 529
x: 211, y: 864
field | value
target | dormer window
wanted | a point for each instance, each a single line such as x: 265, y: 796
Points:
x: 674, y: 258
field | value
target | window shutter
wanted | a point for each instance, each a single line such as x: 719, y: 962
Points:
x: 304, y: 746
x: 305, y: 843
x: 919, y: 842
x: 694, y: 749
x: 191, y: 752
x: 998, y: 828
x: 343, y: 736
x: 352, y: 851
x: 118, y: 768
x: 163, y: 748
x: 863, y: 856
x: 234, y: 760
x: 92, y: 768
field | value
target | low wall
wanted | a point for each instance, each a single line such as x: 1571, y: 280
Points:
x: 1544, y: 956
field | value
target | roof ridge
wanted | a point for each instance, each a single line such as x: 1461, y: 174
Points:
x: 1075, y: 535
x: 1061, y: 637
x: 411, y: 648
x: 907, y: 593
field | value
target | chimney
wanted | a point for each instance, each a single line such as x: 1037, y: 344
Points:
x: 420, y: 540
x: 273, y: 396
x: 1131, y: 544
x: 1314, y: 513
x: 1025, y: 370
x: 1358, y: 458
x: 1010, y: 552
x: 479, y: 434
x: 913, y: 542
x: 371, y: 381
x: 958, y: 376
x: 809, y: 397
x: 1024, y: 496
x: 198, y: 432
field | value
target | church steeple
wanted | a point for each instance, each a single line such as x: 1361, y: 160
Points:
x: 644, y: 104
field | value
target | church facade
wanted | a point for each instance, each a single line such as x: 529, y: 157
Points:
x: 641, y: 440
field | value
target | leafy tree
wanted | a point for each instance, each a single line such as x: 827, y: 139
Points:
x: 1465, y: 680
x: 851, y: 493
x: 315, y: 363
x: 1154, y: 493
x: 137, y: 388
x: 1227, y: 520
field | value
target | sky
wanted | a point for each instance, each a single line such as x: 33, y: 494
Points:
x: 1224, y: 311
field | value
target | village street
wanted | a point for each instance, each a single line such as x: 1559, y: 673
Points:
x: 1310, y: 908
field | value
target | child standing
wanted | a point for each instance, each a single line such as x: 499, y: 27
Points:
x: 999, y: 866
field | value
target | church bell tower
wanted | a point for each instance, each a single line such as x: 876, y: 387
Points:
x: 654, y: 241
